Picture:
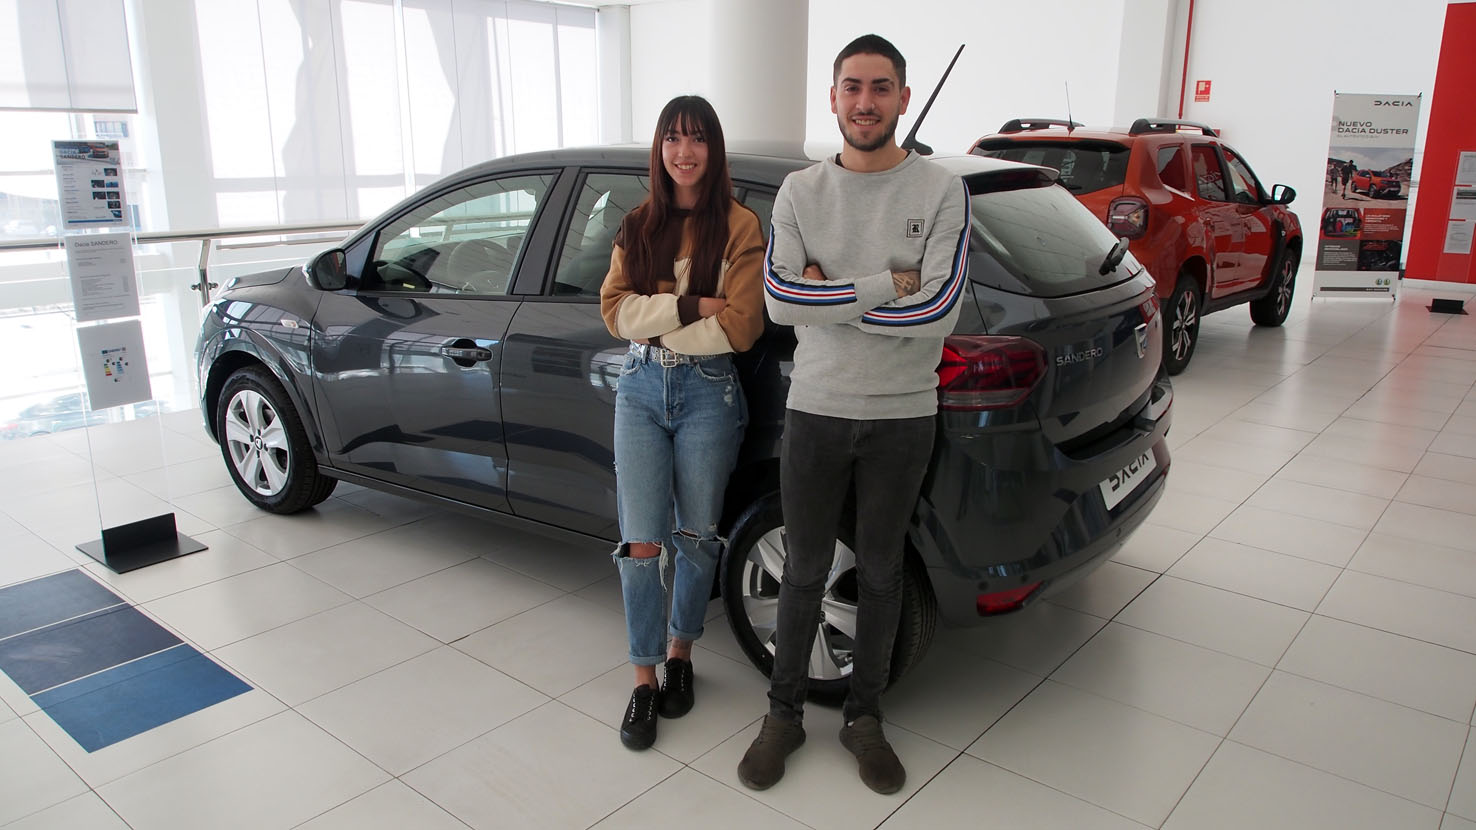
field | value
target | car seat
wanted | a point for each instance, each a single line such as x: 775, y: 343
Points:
x: 482, y: 266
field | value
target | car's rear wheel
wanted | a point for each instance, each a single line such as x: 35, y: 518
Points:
x: 265, y: 446
x: 1183, y: 324
x: 753, y: 568
x: 1271, y: 310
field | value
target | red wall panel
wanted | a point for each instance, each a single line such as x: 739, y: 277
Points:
x: 1452, y: 129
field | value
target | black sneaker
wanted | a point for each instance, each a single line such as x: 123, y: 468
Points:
x: 676, y: 692
x: 638, y: 730
x: 879, y: 766
x: 763, y: 764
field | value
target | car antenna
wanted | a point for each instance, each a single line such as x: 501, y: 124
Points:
x: 911, y: 142
x: 1070, y: 122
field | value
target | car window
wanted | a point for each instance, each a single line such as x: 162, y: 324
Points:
x: 760, y: 202
x: 1242, y: 181
x: 1085, y: 166
x: 1209, y: 180
x: 1038, y: 241
x: 603, y: 201
x: 463, y: 242
x: 1170, y: 162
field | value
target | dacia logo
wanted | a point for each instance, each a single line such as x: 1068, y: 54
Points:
x: 1071, y: 358
x: 1378, y: 102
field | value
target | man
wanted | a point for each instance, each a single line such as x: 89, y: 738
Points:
x: 867, y: 258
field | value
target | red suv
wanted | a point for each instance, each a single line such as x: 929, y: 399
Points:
x: 1191, y: 209
x: 1376, y: 185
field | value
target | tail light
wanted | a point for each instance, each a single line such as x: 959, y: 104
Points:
x: 1128, y: 216
x: 982, y: 372
x: 1001, y: 602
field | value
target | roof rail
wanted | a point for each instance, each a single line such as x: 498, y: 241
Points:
x: 1167, y: 125
x: 1016, y: 125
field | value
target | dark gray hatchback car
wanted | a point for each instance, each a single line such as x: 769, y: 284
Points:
x: 453, y: 350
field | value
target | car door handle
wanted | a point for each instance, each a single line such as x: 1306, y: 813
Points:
x: 475, y: 353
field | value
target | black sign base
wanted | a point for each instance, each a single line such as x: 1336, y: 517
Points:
x: 139, y: 544
x: 1448, y: 306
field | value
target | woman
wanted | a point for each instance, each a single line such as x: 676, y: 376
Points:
x: 685, y: 288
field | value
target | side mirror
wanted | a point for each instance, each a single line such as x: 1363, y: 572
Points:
x: 328, y: 271
x: 1282, y: 194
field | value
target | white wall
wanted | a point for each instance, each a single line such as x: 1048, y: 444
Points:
x: 1018, y: 61
x: 1275, y: 65
x: 669, y: 47
x: 1145, y: 58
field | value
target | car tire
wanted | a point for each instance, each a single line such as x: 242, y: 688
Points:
x: 1183, y: 313
x: 750, y: 575
x: 1271, y: 310
x: 265, y: 446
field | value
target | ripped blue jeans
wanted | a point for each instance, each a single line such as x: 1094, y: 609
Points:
x: 677, y: 433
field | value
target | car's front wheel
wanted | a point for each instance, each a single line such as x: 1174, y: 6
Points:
x: 265, y: 446
x: 1183, y: 324
x: 752, y: 571
x: 1271, y: 310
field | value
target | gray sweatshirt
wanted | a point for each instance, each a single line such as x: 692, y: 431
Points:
x: 863, y: 353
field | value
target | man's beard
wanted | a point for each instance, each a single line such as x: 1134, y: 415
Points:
x: 881, y: 140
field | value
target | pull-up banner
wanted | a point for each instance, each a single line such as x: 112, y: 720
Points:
x: 1370, y: 160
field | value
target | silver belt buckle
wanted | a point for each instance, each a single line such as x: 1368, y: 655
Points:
x: 669, y: 359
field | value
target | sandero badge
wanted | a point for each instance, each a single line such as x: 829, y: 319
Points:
x: 1082, y: 356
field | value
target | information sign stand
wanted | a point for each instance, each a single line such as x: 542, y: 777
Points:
x: 105, y: 298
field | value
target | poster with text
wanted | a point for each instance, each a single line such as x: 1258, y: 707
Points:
x: 100, y: 267
x: 89, y: 184
x: 1365, y: 195
x: 113, y: 364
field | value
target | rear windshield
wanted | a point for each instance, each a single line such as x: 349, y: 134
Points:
x: 1039, y: 241
x: 1085, y: 166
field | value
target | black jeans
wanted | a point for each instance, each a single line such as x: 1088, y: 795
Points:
x: 820, y: 459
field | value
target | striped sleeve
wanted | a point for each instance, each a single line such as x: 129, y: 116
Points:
x: 804, y: 292
x: 945, y: 272
x: 794, y: 301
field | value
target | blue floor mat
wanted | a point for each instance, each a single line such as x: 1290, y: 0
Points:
x: 98, y: 666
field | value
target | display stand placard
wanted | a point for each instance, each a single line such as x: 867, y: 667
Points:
x: 100, y: 269
x: 89, y: 184
x: 1370, y: 164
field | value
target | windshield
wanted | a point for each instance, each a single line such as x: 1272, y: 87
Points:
x: 1041, y: 242
x: 1085, y: 166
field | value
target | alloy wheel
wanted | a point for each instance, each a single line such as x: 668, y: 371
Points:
x: 831, y: 653
x: 1284, y: 287
x: 1186, y: 314
x: 258, y: 444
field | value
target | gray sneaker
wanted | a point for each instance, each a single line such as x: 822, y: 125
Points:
x: 879, y: 766
x: 763, y: 764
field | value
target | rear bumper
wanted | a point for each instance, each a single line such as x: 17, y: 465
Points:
x: 1023, y: 515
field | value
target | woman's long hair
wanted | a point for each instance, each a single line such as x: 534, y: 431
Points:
x: 686, y: 115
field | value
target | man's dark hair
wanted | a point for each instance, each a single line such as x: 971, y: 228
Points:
x: 872, y: 45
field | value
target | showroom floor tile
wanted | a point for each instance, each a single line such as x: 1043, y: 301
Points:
x: 1288, y: 642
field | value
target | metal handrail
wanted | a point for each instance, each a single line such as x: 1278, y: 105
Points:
x: 146, y: 237
x: 206, y: 238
